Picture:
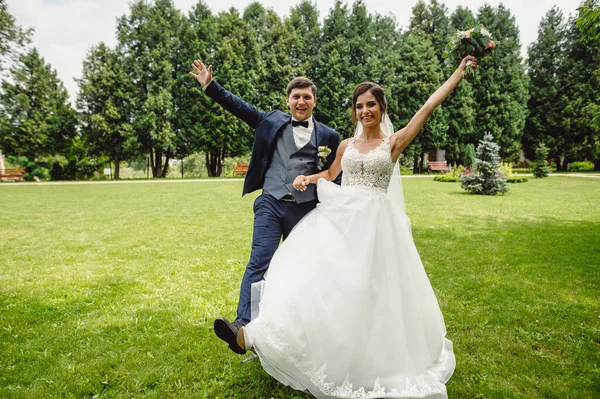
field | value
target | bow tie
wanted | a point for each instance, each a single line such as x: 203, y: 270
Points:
x: 299, y: 123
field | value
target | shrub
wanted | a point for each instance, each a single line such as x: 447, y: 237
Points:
x: 405, y: 171
x: 540, y: 166
x: 488, y: 178
x: 581, y: 167
x: 521, y: 170
x: 506, y: 169
x: 448, y: 177
x: 517, y: 180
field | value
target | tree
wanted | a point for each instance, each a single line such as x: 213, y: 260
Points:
x: 546, y: 60
x: 104, y: 101
x: 303, y: 24
x: 488, y: 178
x: 460, y: 106
x: 224, y: 135
x: 540, y: 166
x: 432, y: 22
x: 150, y: 38
x: 12, y: 37
x: 589, y: 22
x: 580, y: 98
x: 419, y: 79
x: 36, y: 118
x: 501, y: 95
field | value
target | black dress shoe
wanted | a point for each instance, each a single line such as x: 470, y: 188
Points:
x: 228, y: 332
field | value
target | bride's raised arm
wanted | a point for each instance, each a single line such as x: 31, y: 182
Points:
x: 402, y: 138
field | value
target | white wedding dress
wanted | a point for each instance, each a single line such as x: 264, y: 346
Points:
x: 346, y: 309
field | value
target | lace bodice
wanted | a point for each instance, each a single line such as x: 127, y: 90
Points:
x: 372, y: 169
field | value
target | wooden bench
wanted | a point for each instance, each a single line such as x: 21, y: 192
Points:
x: 441, y: 166
x: 240, y: 169
x: 12, y: 174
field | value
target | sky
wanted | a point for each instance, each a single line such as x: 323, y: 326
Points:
x: 66, y: 29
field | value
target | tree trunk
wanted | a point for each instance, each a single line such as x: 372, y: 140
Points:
x: 151, y: 160
x: 214, y: 163
x: 157, y: 164
x: 415, y: 164
x: 421, y: 164
x: 117, y: 167
x: 165, y: 168
x: 557, y: 163
x: 597, y: 164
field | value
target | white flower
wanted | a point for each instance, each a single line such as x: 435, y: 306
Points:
x: 322, y: 152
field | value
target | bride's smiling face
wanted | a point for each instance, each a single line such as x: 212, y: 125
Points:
x: 368, y: 110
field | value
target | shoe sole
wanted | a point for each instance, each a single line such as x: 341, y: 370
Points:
x: 225, y: 333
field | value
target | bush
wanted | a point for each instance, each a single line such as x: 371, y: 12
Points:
x: 506, y: 169
x: 448, y: 177
x: 516, y: 180
x: 540, y: 166
x: 487, y: 177
x: 405, y: 171
x: 581, y: 167
x: 521, y: 170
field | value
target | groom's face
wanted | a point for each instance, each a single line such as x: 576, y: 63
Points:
x: 301, y: 102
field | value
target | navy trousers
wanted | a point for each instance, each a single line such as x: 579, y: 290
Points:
x: 273, y: 219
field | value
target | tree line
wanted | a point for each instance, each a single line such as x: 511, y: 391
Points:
x: 137, y: 101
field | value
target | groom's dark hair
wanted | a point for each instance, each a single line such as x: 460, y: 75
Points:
x: 300, y: 83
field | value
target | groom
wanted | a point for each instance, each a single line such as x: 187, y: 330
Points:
x: 284, y: 147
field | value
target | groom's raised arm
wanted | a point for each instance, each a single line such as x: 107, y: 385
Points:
x: 232, y: 103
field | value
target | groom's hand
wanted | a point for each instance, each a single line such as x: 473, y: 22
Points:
x: 202, y: 74
x: 300, y: 183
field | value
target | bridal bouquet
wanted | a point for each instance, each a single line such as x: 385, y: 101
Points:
x: 476, y: 42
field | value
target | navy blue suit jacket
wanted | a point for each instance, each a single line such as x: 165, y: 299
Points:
x: 267, y: 126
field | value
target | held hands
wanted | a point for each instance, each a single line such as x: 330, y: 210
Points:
x: 300, y: 183
x: 468, y: 60
x: 202, y: 74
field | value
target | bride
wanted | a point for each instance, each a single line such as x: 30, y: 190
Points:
x: 347, y: 310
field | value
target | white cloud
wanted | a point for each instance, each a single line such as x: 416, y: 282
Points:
x: 66, y: 29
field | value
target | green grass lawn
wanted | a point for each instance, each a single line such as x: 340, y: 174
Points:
x: 110, y: 291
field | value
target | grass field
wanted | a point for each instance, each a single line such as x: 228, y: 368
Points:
x: 110, y: 291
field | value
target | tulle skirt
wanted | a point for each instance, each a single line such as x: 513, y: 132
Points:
x: 346, y: 309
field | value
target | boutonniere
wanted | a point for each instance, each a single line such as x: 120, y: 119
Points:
x: 323, y: 152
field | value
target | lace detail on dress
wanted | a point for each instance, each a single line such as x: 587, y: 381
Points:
x: 372, y: 169
x: 415, y: 386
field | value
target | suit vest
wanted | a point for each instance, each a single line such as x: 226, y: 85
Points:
x: 288, y: 162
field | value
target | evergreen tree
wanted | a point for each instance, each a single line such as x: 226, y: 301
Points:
x: 303, y: 24
x: 540, y: 166
x: 462, y: 19
x: 460, y: 106
x: 421, y: 76
x: 488, y: 178
x: 502, y: 94
x: 36, y: 118
x: 12, y: 36
x: 432, y: 21
x: 236, y: 49
x: 150, y: 38
x: 580, y: 98
x: 589, y: 22
x: 546, y: 59
x: 273, y: 69
x: 105, y: 106
x: 332, y: 71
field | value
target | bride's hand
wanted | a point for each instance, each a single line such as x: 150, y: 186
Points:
x: 300, y: 183
x: 465, y: 62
